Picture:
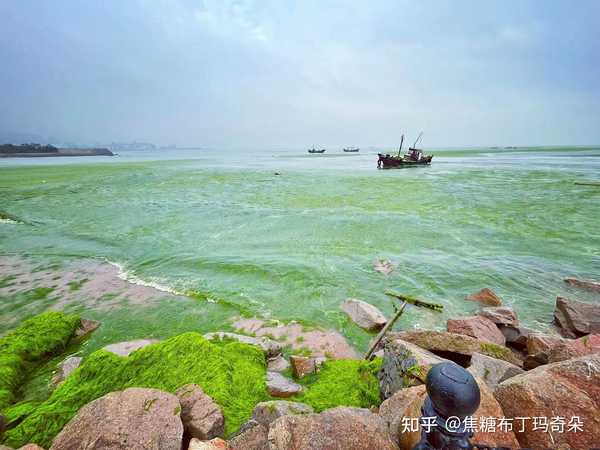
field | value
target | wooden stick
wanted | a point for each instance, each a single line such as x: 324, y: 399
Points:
x: 586, y: 183
x: 415, y: 301
x: 384, y: 330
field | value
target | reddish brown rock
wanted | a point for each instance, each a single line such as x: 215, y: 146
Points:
x: 335, y: 429
x: 213, y: 444
x: 588, y: 285
x: 491, y: 370
x: 486, y: 297
x: 280, y: 386
x: 565, y: 389
x: 576, y: 318
x: 574, y: 348
x: 64, y: 369
x: 30, y: 447
x: 277, y: 364
x: 302, y: 365
x: 478, y: 327
x: 86, y: 327
x: 202, y: 418
x: 500, y: 315
x: 542, y: 343
x: 135, y: 418
x: 515, y: 336
x: 252, y: 436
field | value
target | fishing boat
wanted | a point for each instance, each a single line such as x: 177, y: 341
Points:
x: 314, y: 150
x: 351, y: 149
x: 414, y: 157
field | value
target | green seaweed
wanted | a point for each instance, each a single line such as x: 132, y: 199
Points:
x: 233, y: 374
x: 76, y: 285
x: 7, y: 281
x: 496, y: 351
x: 343, y: 382
x: 24, y: 348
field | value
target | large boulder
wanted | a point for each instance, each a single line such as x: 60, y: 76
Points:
x: 404, y: 364
x: 280, y: 386
x: 202, y: 418
x: 491, y: 370
x: 267, y: 412
x: 126, y: 348
x: 565, y: 390
x: 478, y: 327
x: 486, y: 297
x: 135, y: 418
x: 269, y: 346
x: 335, y: 429
x: 252, y: 436
x: 500, y: 315
x: 576, y: 318
x: 402, y: 412
x: 574, y: 348
x: 456, y: 347
x: 516, y: 336
x: 364, y: 314
x: 542, y: 343
x: 64, y: 369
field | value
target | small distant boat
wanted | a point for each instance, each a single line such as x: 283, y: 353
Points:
x: 314, y: 150
x: 414, y: 157
x: 352, y: 149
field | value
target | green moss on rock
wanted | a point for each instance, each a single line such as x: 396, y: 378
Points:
x: 233, y: 374
x: 343, y: 382
x: 24, y: 348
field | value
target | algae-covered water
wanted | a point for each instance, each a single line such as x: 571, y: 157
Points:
x: 224, y: 228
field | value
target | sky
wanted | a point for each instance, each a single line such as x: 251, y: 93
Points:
x: 250, y: 74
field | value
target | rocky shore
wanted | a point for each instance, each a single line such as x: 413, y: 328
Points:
x: 270, y: 385
x: 38, y: 151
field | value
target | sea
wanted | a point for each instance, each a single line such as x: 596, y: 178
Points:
x: 285, y: 235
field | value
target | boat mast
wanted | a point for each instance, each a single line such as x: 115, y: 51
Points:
x: 401, y: 142
x: 415, y: 144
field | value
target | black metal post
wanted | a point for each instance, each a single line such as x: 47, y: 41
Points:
x: 453, y: 394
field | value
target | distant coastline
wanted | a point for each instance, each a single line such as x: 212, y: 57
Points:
x: 38, y: 151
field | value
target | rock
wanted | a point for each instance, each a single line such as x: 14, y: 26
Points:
x: 383, y: 266
x: 533, y: 361
x: 267, y: 412
x: 4, y: 447
x: 515, y: 336
x: 542, y: 343
x: 407, y: 403
x: 404, y: 364
x: 456, y: 347
x: 491, y: 370
x: 335, y: 429
x: 252, y: 436
x: 269, y: 346
x: 214, y: 444
x: 202, y: 418
x: 86, y: 327
x: 280, y: 386
x: 135, y: 418
x: 404, y: 403
x: 478, y: 327
x: 576, y: 318
x: 500, y: 315
x: 302, y: 365
x: 574, y: 348
x: 486, y: 297
x: 564, y: 389
x: 277, y: 364
x: 65, y: 368
x: 593, y: 286
x: 364, y: 314
x: 321, y: 343
x: 126, y: 348
x: 31, y: 447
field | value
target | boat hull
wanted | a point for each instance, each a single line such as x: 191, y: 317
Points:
x: 393, y: 162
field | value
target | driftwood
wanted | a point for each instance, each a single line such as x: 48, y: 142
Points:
x: 415, y: 301
x: 587, y: 183
x: 384, y: 330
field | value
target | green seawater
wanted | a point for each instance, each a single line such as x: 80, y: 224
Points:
x: 225, y: 228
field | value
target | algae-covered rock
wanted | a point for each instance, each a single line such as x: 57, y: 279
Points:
x: 135, y: 418
x: 31, y: 343
x: 202, y: 418
x: 127, y: 348
x: 269, y: 346
x: 232, y: 374
x: 267, y: 412
x: 343, y: 382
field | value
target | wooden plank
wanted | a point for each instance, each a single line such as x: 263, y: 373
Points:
x: 384, y: 330
x: 415, y: 301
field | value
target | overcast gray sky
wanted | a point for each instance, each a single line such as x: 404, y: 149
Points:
x: 293, y: 74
